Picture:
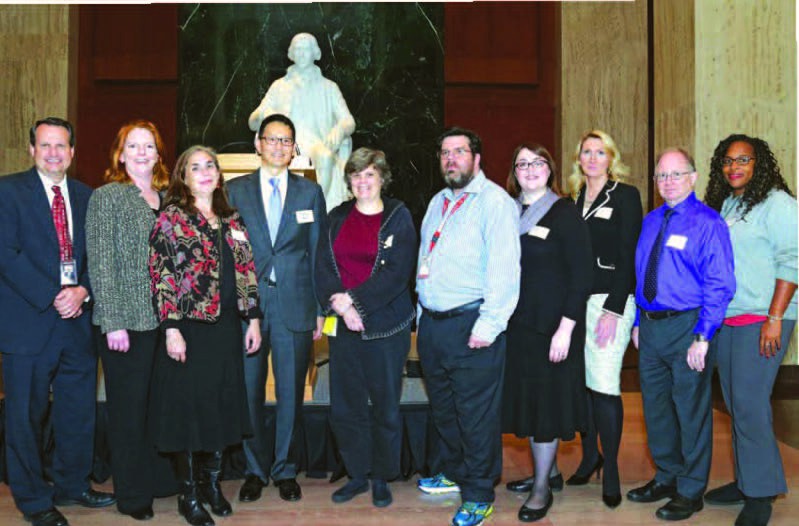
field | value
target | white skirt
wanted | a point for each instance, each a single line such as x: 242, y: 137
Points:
x: 603, y: 366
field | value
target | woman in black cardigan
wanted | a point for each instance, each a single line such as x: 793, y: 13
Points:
x: 544, y: 393
x: 363, y: 270
x: 612, y: 211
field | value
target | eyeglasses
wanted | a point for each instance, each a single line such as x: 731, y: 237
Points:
x: 743, y: 160
x: 457, y: 152
x: 674, y: 176
x: 529, y: 165
x: 285, y: 141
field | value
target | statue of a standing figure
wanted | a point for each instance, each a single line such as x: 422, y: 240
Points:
x: 315, y: 104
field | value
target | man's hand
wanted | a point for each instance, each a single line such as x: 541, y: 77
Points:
x: 69, y: 301
x: 475, y: 342
x: 320, y: 323
x: 252, y: 338
x: 696, y: 356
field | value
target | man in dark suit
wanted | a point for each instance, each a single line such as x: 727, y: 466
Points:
x: 285, y: 214
x: 45, y: 332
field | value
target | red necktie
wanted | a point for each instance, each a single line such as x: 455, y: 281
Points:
x: 61, y: 225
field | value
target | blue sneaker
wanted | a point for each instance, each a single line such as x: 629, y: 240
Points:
x: 472, y: 514
x: 437, y: 485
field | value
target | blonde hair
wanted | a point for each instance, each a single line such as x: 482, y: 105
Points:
x: 617, y: 170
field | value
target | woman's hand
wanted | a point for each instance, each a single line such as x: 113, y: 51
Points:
x: 353, y: 320
x: 252, y: 338
x: 559, y: 347
x: 605, y: 330
x: 634, y: 337
x: 175, y: 345
x: 341, y: 302
x: 770, y: 336
x: 118, y: 340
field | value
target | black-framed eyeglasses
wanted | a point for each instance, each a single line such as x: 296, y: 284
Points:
x: 529, y: 165
x: 674, y: 176
x: 457, y: 152
x: 272, y: 140
x: 741, y: 160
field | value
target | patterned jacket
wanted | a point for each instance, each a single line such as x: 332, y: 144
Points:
x: 184, y: 267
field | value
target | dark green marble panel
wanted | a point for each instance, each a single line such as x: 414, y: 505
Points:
x: 387, y: 59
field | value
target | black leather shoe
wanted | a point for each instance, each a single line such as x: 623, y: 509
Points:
x: 725, y: 495
x: 51, y: 517
x: 88, y: 499
x: 141, y: 514
x: 756, y: 512
x: 289, y: 489
x: 381, y: 495
x: 526, y: 485
x: 530, y: 515
x: 349, y: 490
x: 251, y: 489
x: 679, y: 508
x: 611, y: 501
x: 652, y: 491
x: 581, y: 480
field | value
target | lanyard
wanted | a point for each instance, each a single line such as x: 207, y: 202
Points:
x: 444, y: 219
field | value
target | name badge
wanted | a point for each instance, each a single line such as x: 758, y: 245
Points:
x: 676, y: 241
x: 539, y: 231
x: 238, y: 235
x: 330, y: 326
x: 389, y: 241
x: 304, y: 216
x: 604, y: 212
x: 69, y: 273
x: 424, y: 268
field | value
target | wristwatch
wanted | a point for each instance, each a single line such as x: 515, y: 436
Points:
x: 700, y: 338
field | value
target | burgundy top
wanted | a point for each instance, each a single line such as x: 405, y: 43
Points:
x: 355, y: 247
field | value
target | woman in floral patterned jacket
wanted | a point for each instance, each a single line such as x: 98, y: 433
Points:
x: 204, y: 285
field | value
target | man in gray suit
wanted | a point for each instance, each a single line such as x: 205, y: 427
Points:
x: 285, y: 214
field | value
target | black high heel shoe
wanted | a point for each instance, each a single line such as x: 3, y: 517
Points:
x: 526, y: 485
x: 611, y: 501
x: 581, y: 480
x: 530, y: 515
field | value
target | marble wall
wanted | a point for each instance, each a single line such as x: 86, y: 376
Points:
x: 35, y: 48
x: 386, y: 58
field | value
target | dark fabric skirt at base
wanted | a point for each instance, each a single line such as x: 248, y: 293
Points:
x: 542, y: 399
x: 201, y: 405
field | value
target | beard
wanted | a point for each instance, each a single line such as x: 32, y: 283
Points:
x: 458, y: 179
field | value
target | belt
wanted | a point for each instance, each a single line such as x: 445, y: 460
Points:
x: 662, y: 314
x: 457, y: 311
x: 270, y: 283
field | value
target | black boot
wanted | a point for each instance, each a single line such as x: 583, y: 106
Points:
x: 188, y: 501
x: 210, y: 492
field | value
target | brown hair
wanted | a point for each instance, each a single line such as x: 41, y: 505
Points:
x: 363, y: 158
x: 512, y: 184
x: 179, y: 193
x: 116, y: 173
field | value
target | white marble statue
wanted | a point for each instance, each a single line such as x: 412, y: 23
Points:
x: 320, y: 114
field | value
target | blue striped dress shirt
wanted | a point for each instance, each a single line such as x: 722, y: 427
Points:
x: 476, y: 257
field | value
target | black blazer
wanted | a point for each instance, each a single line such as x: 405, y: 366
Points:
x: 614, y: 222
x: 556, y: 271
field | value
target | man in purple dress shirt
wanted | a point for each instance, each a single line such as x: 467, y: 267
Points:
x: 685, y: 279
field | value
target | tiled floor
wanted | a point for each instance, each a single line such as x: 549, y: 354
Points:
x: 574, y: 506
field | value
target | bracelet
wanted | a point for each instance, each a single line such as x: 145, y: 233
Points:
x: 773, y: 318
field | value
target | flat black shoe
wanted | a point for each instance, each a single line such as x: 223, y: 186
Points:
x: 581, y: 480
x: 381, y: 495
x: 88, y: 499
x: 679, y: 508
x: 141, y: 514
x: 349, y: 490
x: 51, y: 517
x: 251, y: 489
x: 725, y: 495
x: 652, y: 491
x: 289, y: 489
x: 526, y: 485
x: 611, y: 501
x: 530, y: 515
x: 756, y: 512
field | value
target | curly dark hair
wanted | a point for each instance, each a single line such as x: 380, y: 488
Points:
x: 765, y: 177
